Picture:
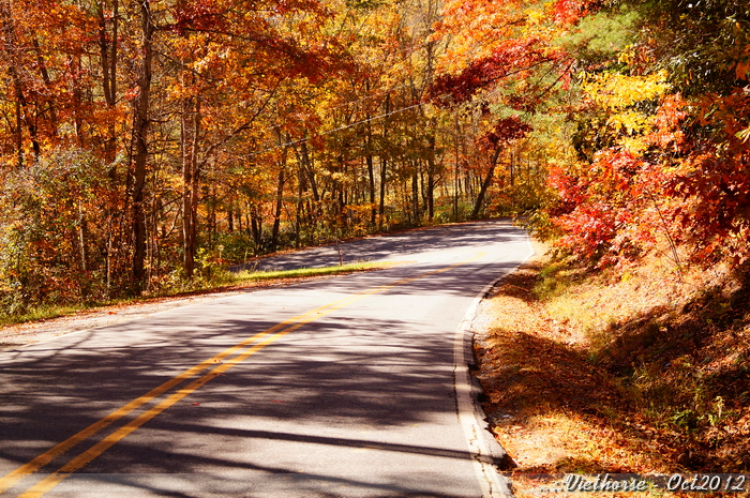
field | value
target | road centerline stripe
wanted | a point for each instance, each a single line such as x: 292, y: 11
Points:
x: 263, y: 339
x: 12, y: 478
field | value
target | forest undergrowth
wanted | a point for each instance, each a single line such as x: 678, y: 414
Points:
x: 644, y: 371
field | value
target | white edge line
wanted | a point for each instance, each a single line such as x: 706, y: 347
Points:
x: 469, y: 413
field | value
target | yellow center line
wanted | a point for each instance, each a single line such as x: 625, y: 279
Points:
x: 11, y: 479
x: 265, y: 338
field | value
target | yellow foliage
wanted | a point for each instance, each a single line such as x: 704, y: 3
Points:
x: 630, y: 120
x: 617, y: 95
x: 619, y: 91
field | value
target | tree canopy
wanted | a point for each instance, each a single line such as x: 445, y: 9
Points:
x: 144, y: 143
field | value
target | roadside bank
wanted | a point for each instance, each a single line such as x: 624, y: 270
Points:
x: 640, y: 371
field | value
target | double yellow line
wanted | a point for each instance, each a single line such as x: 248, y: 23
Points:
x: 258, y: 342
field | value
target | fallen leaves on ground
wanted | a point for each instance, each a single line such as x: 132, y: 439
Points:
x: 597, y: 376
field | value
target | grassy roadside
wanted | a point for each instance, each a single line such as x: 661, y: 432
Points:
x: 648, y: 372
x: 225, y: 281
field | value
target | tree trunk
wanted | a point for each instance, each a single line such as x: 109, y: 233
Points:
x: 415, y: 195
x: 298, y: 213
x: 485, y: 184
x: 430, y: 195
x: 140, y: 137
x: 307, y: 167
x: 423, y: 190
x: 277, y: 211
x: 370, y: 166
x: 10, y: 52
x: 371, y: 174
x: 383, y: 166
x: 82, y: 236
x: 41, y: 64
x: 431, y: 167
x: 190, y: 131
x: 381, y: 207
x: 108, y: 53
x: 257, y: 227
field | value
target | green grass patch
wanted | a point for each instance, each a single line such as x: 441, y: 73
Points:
x: 41, y: 312
x: 309, y: 272
x: 220, y: 281
x: 556, y: 277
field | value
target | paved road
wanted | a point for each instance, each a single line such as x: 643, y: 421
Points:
x: 336, y: 388
x: 402, y: 246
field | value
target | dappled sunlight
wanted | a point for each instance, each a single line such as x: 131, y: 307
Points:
x: 339, y: 383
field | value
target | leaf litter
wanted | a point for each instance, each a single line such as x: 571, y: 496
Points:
x: 633, y: 371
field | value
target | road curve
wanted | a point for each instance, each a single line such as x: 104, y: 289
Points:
x: 336, y: 388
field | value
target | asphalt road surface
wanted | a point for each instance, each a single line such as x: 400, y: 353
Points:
x: 344, y: 387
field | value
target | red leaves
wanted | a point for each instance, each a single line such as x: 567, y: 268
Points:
x: 568, y: 12
x: 669, y: 118
x: 512, y: 58
x: 602, y: 212
x: 590, y: 228
x: 693, y: 189
x: 203, y: 15
x: 711, y: 180
x: 507, y: 130
x: 742, y: 70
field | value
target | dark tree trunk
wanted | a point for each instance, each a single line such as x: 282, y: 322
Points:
x: 485, y: 185
x: 190, y: 131
x: 140, y: 137
x: 277, y: 211
x: 108, y: 55
x: 371, y: 174
x: 298, y: 212
x: 381, y: 207
x: 257, y: 227
x: 370, y: 166
x: 430, y: 195
x: 10, y: 53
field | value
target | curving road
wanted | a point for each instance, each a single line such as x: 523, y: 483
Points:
x: 336, y: 388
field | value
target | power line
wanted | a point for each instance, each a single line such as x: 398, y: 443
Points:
x: 350, y: 125
x: 344, y: 104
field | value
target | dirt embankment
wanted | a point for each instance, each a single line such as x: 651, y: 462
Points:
x: 645, y: 370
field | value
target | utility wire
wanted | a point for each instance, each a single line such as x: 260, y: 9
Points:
x: 350, y: 125
x: 339, y: 106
